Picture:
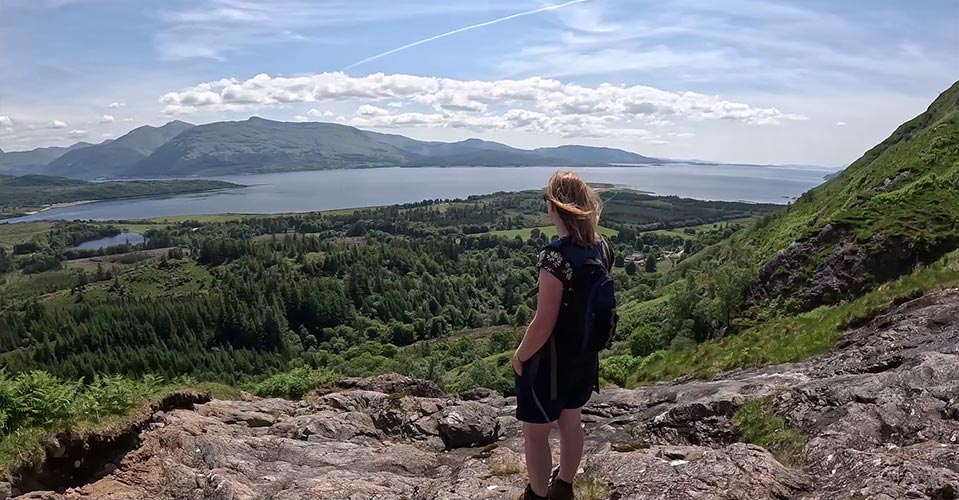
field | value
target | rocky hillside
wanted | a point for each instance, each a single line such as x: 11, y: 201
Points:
x: 877, y: 417
x: 891, y: 209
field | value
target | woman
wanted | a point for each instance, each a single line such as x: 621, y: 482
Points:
x: 553, y: 378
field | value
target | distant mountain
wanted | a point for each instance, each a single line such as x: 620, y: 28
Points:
x: 110, y: 158
x: 259, y: 145
x: 590, y: 154
x: 256, y: 145
x: 24, y: 162
x: 472, y: 152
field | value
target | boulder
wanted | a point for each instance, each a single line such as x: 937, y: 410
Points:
x: 468, y: 424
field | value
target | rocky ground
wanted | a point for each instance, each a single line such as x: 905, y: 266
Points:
x: 881, y: 411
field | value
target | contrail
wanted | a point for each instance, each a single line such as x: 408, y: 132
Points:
x: 460, y: 30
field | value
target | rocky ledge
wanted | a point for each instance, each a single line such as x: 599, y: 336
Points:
x: 881, y: 411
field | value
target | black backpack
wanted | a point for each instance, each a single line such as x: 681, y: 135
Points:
x: 587, y: 318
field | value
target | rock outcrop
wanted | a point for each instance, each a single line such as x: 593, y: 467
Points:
x: 833, y: 266
x: 881, y: 411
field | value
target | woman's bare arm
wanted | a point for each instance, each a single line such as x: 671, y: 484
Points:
x: 549, y: 299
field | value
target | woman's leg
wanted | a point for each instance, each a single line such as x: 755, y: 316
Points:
x: 539, y: 459
x: 571, y: 439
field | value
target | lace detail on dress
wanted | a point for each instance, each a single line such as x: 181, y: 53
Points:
x: 553, y: 262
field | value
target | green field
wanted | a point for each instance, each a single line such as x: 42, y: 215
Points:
x: 148, y: 280
x: 11, y: 234
x: 550, y: 231
x: 679, y: 231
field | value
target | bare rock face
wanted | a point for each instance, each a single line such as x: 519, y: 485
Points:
x: 468, y: 424
x: 393, y: 384
x: 880, y: 411
x: 833, y: 266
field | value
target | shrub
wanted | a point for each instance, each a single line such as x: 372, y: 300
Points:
x: 36, y: 399
x: 616, y: 369
x: 647, y: 340
x: 681, y: 343
x: 115, y: 394
x: 293, y: 384
x: 762, y: 427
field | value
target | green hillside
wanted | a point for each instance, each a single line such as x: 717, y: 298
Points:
x: 890, y: 209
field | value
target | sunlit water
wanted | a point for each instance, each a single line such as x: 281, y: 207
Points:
x: 332, y: 189
x: 120, y: 239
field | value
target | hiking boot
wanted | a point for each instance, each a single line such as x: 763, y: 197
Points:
x: 559, y: 489
x: 528, y: 494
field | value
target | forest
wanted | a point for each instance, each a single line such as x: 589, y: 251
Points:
x: 437, y: 289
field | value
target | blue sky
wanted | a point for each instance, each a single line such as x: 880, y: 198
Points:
x: 811, y: 82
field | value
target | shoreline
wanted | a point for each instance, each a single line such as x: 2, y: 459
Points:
x: 65, y: 204
x: 5, y: 219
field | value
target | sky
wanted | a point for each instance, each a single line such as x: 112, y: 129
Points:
x: 790, y: 82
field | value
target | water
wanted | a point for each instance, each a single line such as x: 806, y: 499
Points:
x: 333, y: 189
x: 124, y: 237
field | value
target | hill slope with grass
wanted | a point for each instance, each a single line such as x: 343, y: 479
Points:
x: 891, y: 209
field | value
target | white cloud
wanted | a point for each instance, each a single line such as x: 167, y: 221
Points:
x: 300, y: 119
x: 6, y: 121
x: 79, y: 133
x: 115, y: 105
x: 368, y: 110
x: 840, y: 124
x: 657, y: 142
x: 56, y: 124
x: 107, y: 136
x: 315, y: 113
x: 126, y: 120
x: 533, y: 104
x: 107, y: 119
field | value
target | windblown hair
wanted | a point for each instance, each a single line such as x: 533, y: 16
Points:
x: 578, y: 206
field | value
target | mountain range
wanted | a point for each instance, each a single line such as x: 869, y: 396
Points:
x: 257, y: 145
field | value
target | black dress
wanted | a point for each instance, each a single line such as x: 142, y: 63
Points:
x: 557, y: 377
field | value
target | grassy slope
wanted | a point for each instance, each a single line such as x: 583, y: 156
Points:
x: 920, y: 209
x: 793, y: 338
x: 11, y: 234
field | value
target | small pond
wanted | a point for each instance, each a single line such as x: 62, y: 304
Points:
x: 124, y: 237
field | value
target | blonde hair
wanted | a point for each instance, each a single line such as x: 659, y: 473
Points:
x: 577, y: 204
